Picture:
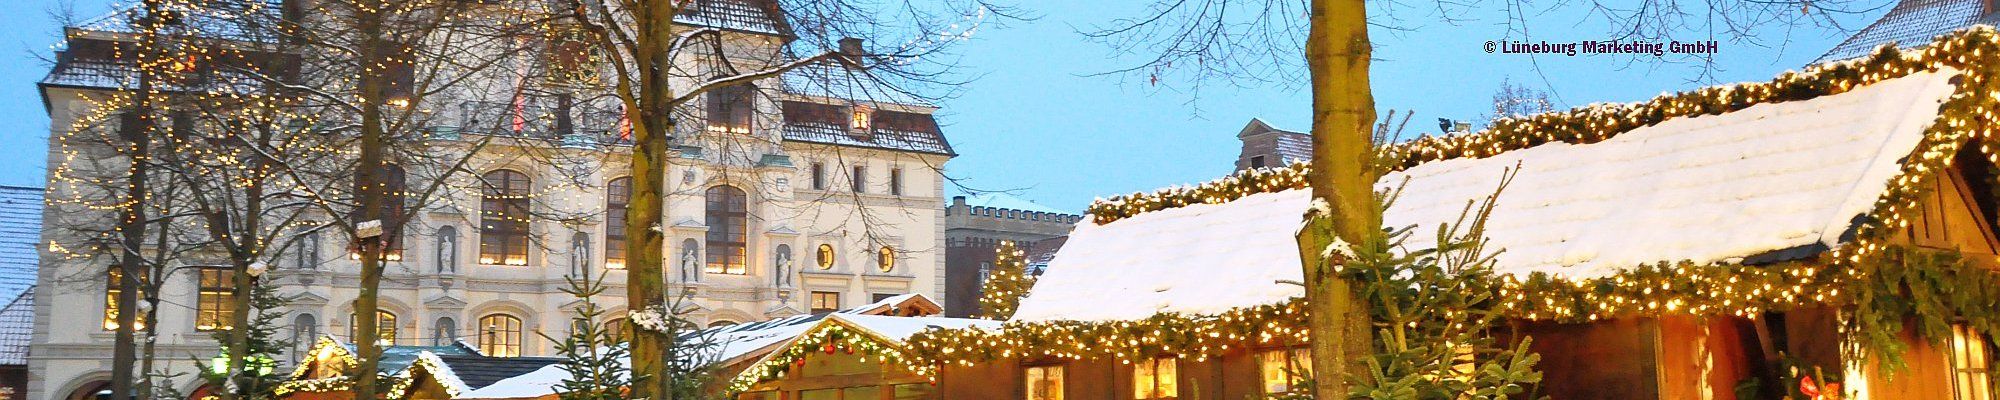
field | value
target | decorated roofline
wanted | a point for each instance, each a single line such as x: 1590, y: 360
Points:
x: 834, y: 334
x: 1875, y: 281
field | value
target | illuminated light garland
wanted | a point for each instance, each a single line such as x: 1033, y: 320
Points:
x: 1856, y: 275
x: 832, y: 336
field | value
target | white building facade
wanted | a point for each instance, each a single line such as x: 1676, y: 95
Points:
x: 811, y: 200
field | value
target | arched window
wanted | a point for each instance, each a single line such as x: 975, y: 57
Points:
x: 614, y: 330
x: 721, y: 323
x: 885, y: 259
x: 617, y: 194
x: 579, y: 254
x: 690, y: 261
x: 500, y: 335
x: 445, y: 332
x: 385, y: 327
x: 728, y: 223
x: 781, y: 275
x: 305, y: 331
x: 503, y: 212
x: 447, y: 250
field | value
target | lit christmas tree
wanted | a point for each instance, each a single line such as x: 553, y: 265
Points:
x: 1009, y: 281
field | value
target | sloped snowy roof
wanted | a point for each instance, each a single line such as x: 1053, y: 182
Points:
x: 1708, y: 189
x: 923, y: 142
x: 20, y: 232
x: 17, y: 328
x: 212, y: 19
x: 839, y: 80
x: 1006, y: 201
x: 741, y: 15
x: 1912, y: 23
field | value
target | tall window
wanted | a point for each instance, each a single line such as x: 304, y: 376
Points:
x: 728, y: 221
x: 825, y: 302
x: 215, y: 306
x: 819, y: 176
x: 859, y: 179
x: 729, y: 108
x: 617, y: 194
x: 896, y: 181
x: 1044, y: 382
x: 396, y: 185
x: 1155, y: 379
x: 385, y: 327
x: 500, y: 335
x: 1971, y: 364
x: 503, y: 225
x: 444, y: 332
x: 1284, y: 370
x: 305, y: 331
x: 114, y: 285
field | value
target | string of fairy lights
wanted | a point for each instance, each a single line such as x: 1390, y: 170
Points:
x: 1835, y: 278
x: 829, y: 338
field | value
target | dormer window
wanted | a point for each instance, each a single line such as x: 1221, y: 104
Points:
x: 729, y: 108
x: 861, y: 120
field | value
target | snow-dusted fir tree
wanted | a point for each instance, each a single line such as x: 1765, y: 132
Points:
x: 263, y: 345
x: 594, y: 358
x: 1002, y: 292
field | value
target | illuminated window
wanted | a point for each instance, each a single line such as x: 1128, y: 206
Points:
x: 215, y: 306
x: 824, y: 256
x: 728, y: 223
x: 885, y: 259
x: 617, y: 193
x: 500, y: 335
x: 385, y: 327
x: 824, y: 302
x: 503, y: 226
x: 396, y: 183
x: 729, y: 108
x: 862, y: 119
x: 1155, y: 379
x: 1044, y: 382
x: 896, y: 181
x: 1284, y: 370
x: 1971, y: 364
x: 114, y: 285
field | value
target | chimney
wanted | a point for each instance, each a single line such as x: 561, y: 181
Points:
x: 851, y: 47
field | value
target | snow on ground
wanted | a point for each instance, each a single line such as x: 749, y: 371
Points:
x: 1707, y: 189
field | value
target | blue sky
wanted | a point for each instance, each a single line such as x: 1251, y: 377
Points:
x: 1033, y: 122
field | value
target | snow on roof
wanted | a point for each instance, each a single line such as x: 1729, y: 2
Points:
x: 1912, y: 23
x: 17, y: 328
x: 1708, y: 189
x: 20, y: 232
x: 1010, y: 202
x: 898, y: 329
x: 537, y: 383
x: 739, y: 15
x: 838, y: 80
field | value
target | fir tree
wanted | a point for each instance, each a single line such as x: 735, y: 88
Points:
x: 260, y: 373
x: 594, y: 358
x: 1009, y: 281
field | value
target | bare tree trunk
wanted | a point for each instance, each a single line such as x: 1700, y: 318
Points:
x: 652, y: 130
x: 132, y: 218
x: 245, y: 251
x: 1337, y: 51
x: 369, y: 185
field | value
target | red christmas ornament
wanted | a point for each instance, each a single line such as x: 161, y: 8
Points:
x: 828, y: 348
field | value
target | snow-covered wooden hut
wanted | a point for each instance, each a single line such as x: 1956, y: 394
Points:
x: 1673, y: 248
x: 408, y: 372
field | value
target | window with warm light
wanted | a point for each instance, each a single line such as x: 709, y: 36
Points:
x: 385, y: 327
x: 617, y: 194
x: 885, y: 259
x: 825, y: 302
x: 114, y: 285
x: 862, y: 119
x: 215, y: 303
x: 396, y: 186
x: 500, y: 335
x: 1971, y: 364
x: 1043, y: 382
x: 730, y: 108
x: 503, y: 225
x: 728, y: 230
x: 1284, y: 370
x: 1157, y: 378
x: 824, y: 256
